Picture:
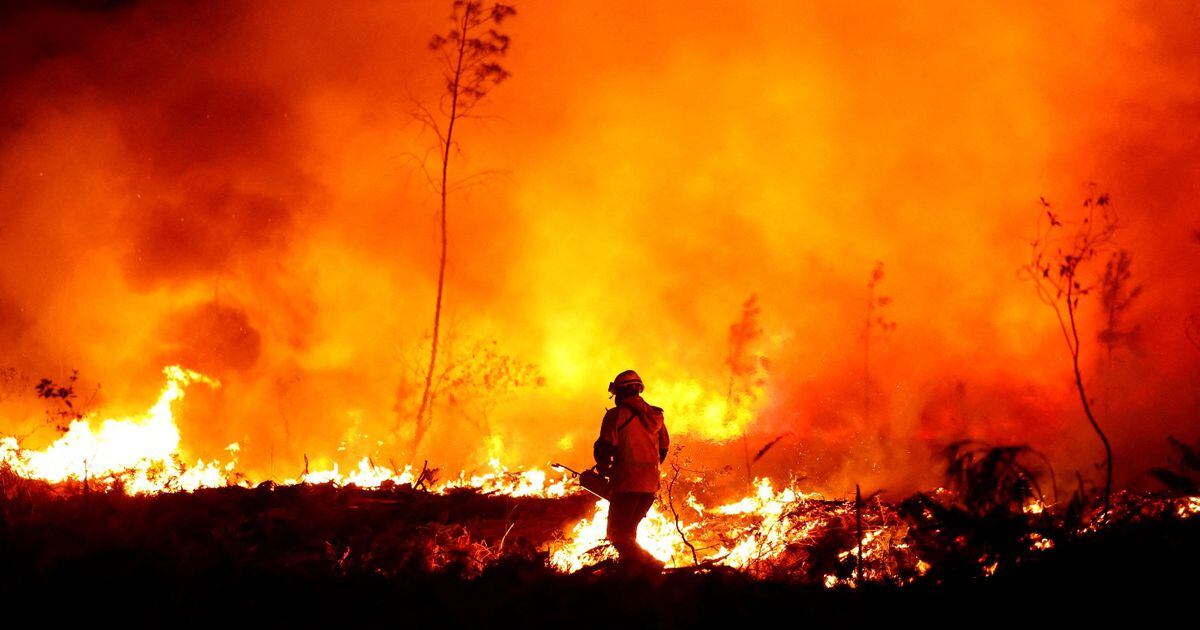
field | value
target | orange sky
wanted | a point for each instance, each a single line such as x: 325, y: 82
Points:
x: 234, y: 187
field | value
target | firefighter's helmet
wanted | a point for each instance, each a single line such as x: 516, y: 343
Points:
x: 626, y: 379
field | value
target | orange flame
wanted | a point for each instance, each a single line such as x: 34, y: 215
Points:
x: 141, y: 452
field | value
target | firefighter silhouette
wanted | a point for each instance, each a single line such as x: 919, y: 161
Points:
x: 632, y: 444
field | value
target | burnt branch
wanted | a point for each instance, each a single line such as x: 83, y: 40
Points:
x: 675, y: 514
x: 1060, y: 257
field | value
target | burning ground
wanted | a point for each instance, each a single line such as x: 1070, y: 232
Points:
x: 482, y: 554
x: 405, y: 542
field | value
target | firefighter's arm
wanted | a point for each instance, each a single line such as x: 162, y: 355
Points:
x: 605, y: 448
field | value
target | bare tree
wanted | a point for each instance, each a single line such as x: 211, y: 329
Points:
x: 1057, y: 266
x: 470, y: 54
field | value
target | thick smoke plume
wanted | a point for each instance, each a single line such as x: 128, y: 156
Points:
x: 237, y: 187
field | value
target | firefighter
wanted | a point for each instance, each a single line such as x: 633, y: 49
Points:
x: 632, y: 444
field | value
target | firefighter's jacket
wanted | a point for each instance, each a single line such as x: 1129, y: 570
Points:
x: 633, y: 442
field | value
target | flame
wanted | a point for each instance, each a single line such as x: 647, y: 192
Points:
x: 140, y: 452
x: 533, y: 482
x: 744, y: 534
x: 588, y: 544
x: 814, y: 141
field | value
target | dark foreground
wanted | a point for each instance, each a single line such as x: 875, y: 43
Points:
x: 320, y: 555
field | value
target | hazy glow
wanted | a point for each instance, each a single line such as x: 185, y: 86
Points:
x: 233, y: 190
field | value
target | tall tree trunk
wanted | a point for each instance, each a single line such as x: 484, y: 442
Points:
x: 427, y: 394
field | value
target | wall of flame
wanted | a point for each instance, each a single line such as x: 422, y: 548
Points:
x: 236, y: 188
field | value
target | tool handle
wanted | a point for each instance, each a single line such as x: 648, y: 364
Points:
x: 570, y: 470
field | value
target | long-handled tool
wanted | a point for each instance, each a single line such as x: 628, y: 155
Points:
x: 590, y: 479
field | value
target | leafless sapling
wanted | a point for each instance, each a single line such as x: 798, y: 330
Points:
x: 677, y: 469
x: 470, y: 54
x: 1059, y: 261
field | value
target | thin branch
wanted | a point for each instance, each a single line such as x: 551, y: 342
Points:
x: 675, y: 514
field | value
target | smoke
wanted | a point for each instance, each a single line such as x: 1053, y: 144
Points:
x: 237, y: 187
